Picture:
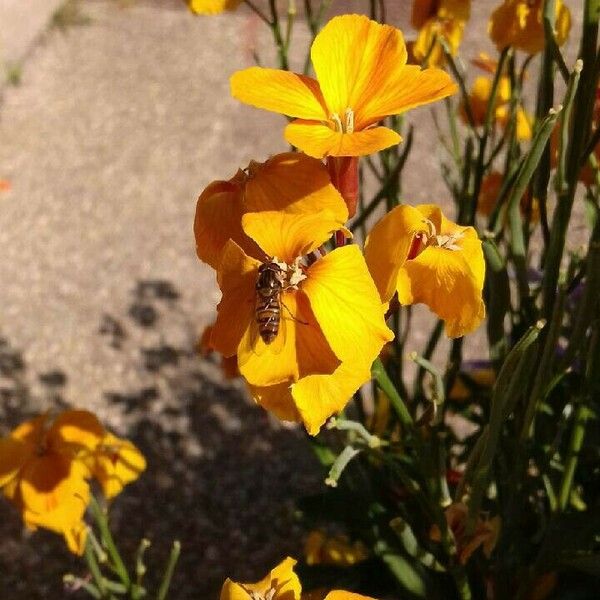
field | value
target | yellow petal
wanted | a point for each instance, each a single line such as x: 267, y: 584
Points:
x: 354, y: 58
x: 233, y: 591
x: 13, y: 456
x: 388, y: 244
x: 295, y: 183
x: 237, y: 277
x: 218, y: 219
x: 117, y: 463
x: 289, y: 236
x: 212, y: 7
x: 347, y: 306
x: 449, y: 30
x: 342, y: 595
x: 65, y: 518
x: 449, y: 282
x: 31, y: 432
x: 318, y: 140
x: 318, y: 397
x: 46, y: 482
x: 75, y: 430
x: 279, y: 91
x: 277, y: 399
x: 264, y: 364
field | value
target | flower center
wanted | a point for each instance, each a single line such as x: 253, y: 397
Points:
x: 293, y: 273
x: 422, y: 240
x: 348, y: 125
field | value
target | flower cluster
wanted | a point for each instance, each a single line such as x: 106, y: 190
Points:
x: 46, y: 465
x: 301, y: 310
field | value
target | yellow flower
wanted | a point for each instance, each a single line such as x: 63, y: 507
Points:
x: 331, y: 325
x: 212, y: 7
x: 438, y: 19
x: 425, y: 45
x: 423, y: 257
x: 290, y: 181
x: 479, y: 98
x: 39, y: 475
x: 519, y: 23
x: 280, y: 584
x: 362, y: 77
x: 320, y: 549
x: 45, y: 464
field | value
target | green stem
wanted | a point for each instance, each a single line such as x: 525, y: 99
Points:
x: 166, y: 581
x: 385, y: 383
x: 108, y: 542
x: 92, y: 563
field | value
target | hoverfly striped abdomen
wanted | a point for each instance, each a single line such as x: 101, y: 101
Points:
x: 269, y: 286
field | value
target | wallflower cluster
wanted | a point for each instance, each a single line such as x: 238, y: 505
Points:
x: 46, y: 465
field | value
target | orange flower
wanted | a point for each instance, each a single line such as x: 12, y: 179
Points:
x: 519, y: 23
x: 362, y: 77
x: 438, y: 19
x: 45, y: 464
x: 212, y: 7
x: 277, y: 214
x: 281, y: 583
x: 320, y: 549
x: 485, y: 535
x: 423, y: 257
x: 290, y: 181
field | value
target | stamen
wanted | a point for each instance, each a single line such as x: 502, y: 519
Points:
x: 338, y: 122
x: 349, y: 120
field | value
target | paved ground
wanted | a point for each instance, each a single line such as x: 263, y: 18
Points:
x: 116, y: 127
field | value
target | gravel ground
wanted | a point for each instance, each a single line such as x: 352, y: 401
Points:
x: 116, y: 127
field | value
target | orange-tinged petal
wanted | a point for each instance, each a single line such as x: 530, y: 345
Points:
x: 347, y: 306
x: 279, y: 91
x: 342, y: 595
x: 218, y: 219
x: 212, y: 7
x: 449, y: 30
x: 388, y: 245
x: 233, y: 591
x: 277, y: 399
x: 75, y: 430
x: 295, y: 183
x: 264, y: 364
x: 409, y: 87
x: 354, y: 58
x: 317, y: 397
x: 237, y: 277
x: 289, y: 236
x: 67, y: 517
x: 117, y: 463
x: 14, y: 454
x: 449, y: 282
x: 46, y: 482
x: 422, y: 11
x: 31, y: 432
x: 318, y: 140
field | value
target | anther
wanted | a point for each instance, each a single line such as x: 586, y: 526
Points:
x: 349, y: 120
x: 338, y: 122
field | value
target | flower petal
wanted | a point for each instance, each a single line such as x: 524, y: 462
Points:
x: 289, y: 236
x: 408, y: 87
x: 347, y: 306
x: 317, y: 397
x: 343, y: 595
x: 264, y: 364
x: 354, y: 59
x: 236, y: 275
x: 318, y: 140
x: 388, y: 245
x: 218, y: 219
x: 212, y: 7
x: 117, y: 463
x: 13, y: 456
x: 449, y: 282
x: 294, y: 183
x: 276, y: 399
x: 279, y: 91
x: 75, y: 430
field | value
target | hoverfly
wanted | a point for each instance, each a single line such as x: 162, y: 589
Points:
x: 269, y: 286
